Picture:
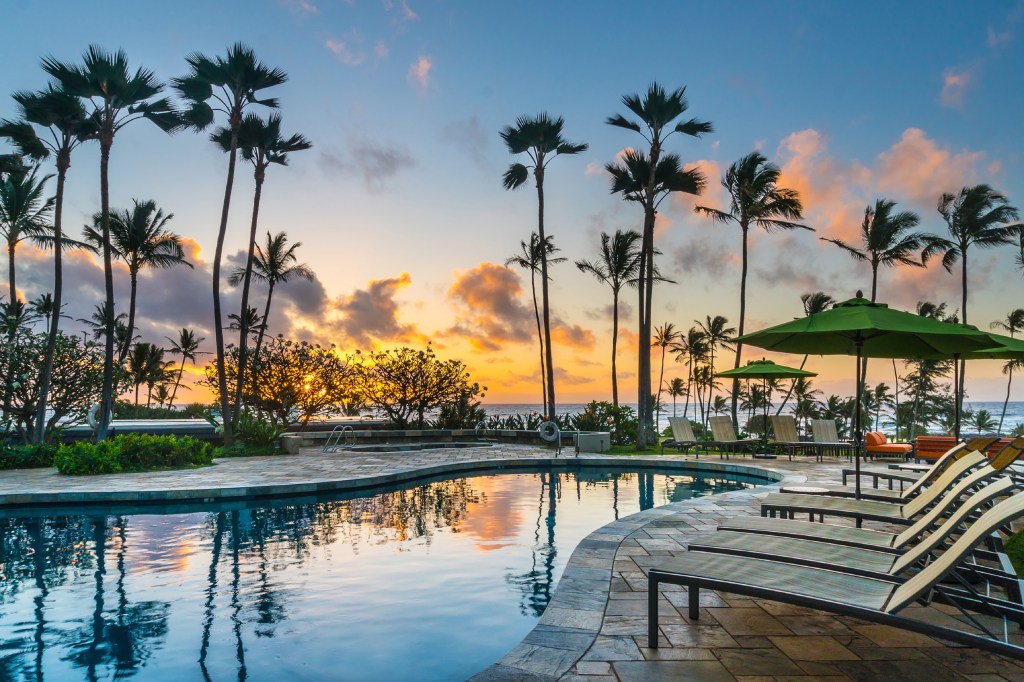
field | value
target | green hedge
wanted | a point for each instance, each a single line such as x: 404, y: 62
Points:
x: 27, y: 456
x: 132, y: 452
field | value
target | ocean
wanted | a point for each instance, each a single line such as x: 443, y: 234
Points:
x: 1014, y: 411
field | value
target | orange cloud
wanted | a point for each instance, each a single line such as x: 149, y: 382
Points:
x: 574, y: 336
x: 419, y: 73
x: 954, y: 82
x: 493, y: 314
x: 919, y: 169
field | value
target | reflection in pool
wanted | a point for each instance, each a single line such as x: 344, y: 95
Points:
x: 433, y: 581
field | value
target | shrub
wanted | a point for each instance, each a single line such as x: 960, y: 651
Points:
x: 132, y: 452
x: 239, y: 450
x: 1015, y: 551
x: 603, y: 416
x: 464, y: 413
x: 27, y: 456
x: 254, y: 431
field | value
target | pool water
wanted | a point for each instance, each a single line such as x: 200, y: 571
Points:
x: 434, y: 581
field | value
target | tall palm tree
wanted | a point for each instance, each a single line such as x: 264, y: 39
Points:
x: 813, y: 303
x: 540, y: 138
x: 262, y: 144
x: 274, y: 263
x: 617, y: 266
x: 24, y: 215
x: 145, y: 365
x: 62, y: 115
x: 977, y: 216
x: 755, y: 200
x: 529, y: 258
x: 664, y: 336
x: 676, y: 389
x: 647, y: 178
x: 113, y: 97
x: 885, y: 240
x: 716, y: 333
x: 225, y: 85
x: 98, y: 321
x: 187, y: 346
x: 139, y: 237
x: 691, y: 347
x: 1011, y: 324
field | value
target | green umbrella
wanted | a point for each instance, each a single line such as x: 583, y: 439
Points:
x: 765, y: 370
x: 1008, y: 348
x: 865, y: 329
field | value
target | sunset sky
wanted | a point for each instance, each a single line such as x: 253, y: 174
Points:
x: 400, y: 208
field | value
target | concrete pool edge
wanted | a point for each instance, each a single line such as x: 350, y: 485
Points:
x: 54, y: 500
x: 572, y: 621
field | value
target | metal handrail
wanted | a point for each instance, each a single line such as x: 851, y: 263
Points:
x: 340, y: 436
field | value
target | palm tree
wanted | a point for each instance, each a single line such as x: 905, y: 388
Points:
x: 880, y: 397
x: 145, y: 365
x: 755, y: 200
x: 617, y: 266
x: 1011, y: 324
x: 24, y: 215
x: 676, y: 388
x: 113, y: 97
x: 261, y: 144
x: 664, y: 336
x: 64, y: 117
x: 691, y: 347
x: 273, y: 264
x: 647, y: 178
x: 225, y: 85
x: 98, y: 321
x: 885, y: 240
x: 187, y: 346
x: 977, y: 216
x: 717, y: 333
x: 529, y: 258
x: 140, y: 238
x: 540, y: 138
x: 813, y: 303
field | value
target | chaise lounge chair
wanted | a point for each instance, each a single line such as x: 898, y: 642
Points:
x: 880, y: 600
x: 786, y: 437
x: 682, y: 436
x: 725, y: 437
x: 826, y: 436
x: 979, y: 444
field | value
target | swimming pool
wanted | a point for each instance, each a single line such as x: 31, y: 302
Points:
x: 431, y: 581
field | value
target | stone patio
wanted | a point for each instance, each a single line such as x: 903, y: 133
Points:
x: 594, y: 629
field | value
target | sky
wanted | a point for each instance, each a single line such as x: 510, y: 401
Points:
x: 400, y: 208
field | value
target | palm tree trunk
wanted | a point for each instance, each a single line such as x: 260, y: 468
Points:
x: 134, y: 274
x: 540, y: 340
x: 243, y: 334
x: 896, y: 397
x: 615, y: 343
x: 550, y: 369
x: 743, y: 317
x: 711, y: 378
x: 11, y: 284
x: 46, y: 373
x: 218, y: 320
x: 648, y: 304
x: 11, y: 329
x: 106, y: 394
x: 963, y: 362
x: 177, y: 382
x: 1002, y: 415
x: 661, y: 381
x: 790, y: 391
x: 259, y: 338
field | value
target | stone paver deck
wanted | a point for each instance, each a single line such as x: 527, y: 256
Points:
x: 594, y: 629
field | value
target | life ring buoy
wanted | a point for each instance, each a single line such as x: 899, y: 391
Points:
x: 91, y: 416
x: 548, y: 431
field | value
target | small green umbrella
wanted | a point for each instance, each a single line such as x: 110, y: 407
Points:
x: 1008, y: 348
x: 865, y: 329
x: 765, y: 370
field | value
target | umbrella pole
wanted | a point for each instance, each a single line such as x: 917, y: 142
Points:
x: 859, y: 342
x: 957, y: 397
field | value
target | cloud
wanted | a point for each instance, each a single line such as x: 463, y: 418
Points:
x: 380, y: 50
x: 997, y: 38
x: 955, y: 82
x: 401, y: 10
x: 377, y: 162
x: 372, y: 314
x: 300, y: 8
x: 344, y: 51
x: 492, y: 313
x: 701, y: 256
x: 594, y: 168
x: 562, y: 376
x: 573, y: 336
x: 920, y: 169
x: 470, y: 137
x: 714, y: 195
x: 419, y: 73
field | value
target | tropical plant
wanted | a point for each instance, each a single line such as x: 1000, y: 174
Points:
x: 716, y: 333
x: 647, y: 178
x: 529, y: 258
x: 885, y: 241
x: 676, y: 389
x: 262, y: 144
x: 540, y: 138
x: 691, y: 348
x: 983, y: 422
x: 145, y: 366
x: 62, y: 115
x: 187, y: 346
x: 976, y: 216
x: 97, y: 322
x: 755, y: 200
x: 813, y: 303
x: 1011, y: 324
x: 664, y: 336
x: 113, y: 97
x: 139, y: 237
x: 225, y: 85
x: 274, y: 263
x: 881, y: 398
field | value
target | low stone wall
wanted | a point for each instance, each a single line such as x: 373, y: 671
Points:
x: 292, y: 442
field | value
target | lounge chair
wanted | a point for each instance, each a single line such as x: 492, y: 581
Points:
x: 887, y: 553
x: 786, y: 437
x: 1007, y: 456
x: 877, y: 445
x: 979, y: 444
x: 827, y: 438
x: 949, y: 483
x: 879, y: 600
x: 725, y: 437
x: 682, y: 436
